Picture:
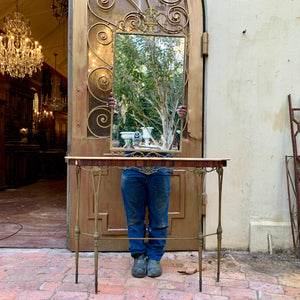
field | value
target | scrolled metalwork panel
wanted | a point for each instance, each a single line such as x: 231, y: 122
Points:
x: 99, y: 35
x: 100, y: 83
x: 177, y: 19
x: 99, y: 121
x: 107, y: 17
x: 171, y: 1
x: 106, y: 4
x: 132, y: 22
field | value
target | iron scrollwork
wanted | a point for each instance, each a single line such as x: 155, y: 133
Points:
x: 107, y: 17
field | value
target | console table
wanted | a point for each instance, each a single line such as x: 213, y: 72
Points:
x: 97, y: 165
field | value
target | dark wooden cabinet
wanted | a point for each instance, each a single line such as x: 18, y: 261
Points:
x: 53, y: 131
x: 53, y: 141
x: 20, y: 154
x: 2, y: 148
x: 18, y: 109
x: 21, y: 164
x: 27, y: 155
x: 52, y: 164
x: 60, y: 130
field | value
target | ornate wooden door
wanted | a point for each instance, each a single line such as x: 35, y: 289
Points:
x: 90, y: 118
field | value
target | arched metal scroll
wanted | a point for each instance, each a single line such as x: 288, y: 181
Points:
x: 105, y: 19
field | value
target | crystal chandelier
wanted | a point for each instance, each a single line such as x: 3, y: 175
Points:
x: 60, y: 9
x: 19, y: 54
x: 56, y: 103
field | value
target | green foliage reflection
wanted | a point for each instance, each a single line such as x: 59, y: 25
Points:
x: 148, y: 85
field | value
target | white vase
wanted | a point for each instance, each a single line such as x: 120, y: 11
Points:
x: 127, y: 136
x: 147, y: 134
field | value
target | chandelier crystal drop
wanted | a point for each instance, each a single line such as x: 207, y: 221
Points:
x: 19, y: 54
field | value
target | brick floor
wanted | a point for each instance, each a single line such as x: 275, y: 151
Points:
x: 49, y: 274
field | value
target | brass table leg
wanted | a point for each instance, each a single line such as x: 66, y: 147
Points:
x: 200, y: 248
x: 96, y: 188
x: 198, y: 172
x: 201, y: 173
x: 77, y: 229
x: 219, y: 229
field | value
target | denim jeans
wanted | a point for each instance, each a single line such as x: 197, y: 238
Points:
x: 140, y: 191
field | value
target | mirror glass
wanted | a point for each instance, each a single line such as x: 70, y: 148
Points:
x: 148, y: 87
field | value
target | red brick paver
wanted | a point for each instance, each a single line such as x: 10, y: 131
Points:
x: 49, y: 274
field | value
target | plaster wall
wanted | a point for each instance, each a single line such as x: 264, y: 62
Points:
x: 253, y: 64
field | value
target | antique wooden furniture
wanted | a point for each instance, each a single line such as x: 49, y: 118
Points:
x: 2, y: 148
x: 53, y: 142
x: 97, y: 166
x: 21, y: 156
x: 21, y: 164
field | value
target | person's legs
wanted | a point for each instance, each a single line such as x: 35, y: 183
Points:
x: 140, y: 190
x: 159, y: 189
x: 133, y: 185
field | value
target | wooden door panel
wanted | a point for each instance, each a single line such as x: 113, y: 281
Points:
x: 183, y: 208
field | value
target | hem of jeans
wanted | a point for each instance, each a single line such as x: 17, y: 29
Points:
x: 158, y: 258
x: 136, y: 253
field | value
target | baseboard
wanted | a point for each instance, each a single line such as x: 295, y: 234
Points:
x: 263, y: 233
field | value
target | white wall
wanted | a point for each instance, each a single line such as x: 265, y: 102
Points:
x: 248, y: 78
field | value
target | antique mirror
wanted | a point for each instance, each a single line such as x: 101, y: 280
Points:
x: 138, y: 50
x: 148, y: 86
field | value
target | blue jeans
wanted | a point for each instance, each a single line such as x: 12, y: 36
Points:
x: 140, y: 191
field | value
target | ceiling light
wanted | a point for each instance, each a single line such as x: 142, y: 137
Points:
x: 19, y: 54
x: 60, y: 9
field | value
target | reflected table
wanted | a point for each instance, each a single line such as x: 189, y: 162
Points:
x: 98, y: 166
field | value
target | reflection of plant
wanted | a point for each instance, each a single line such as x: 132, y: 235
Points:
x: 149, y: 84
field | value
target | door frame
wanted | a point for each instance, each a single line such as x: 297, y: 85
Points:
x: 78, y: 144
